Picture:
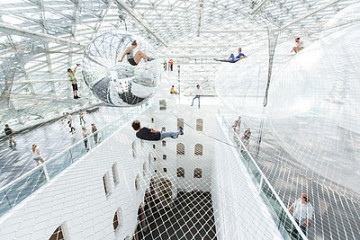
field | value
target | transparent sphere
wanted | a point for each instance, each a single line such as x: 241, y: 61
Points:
x: 114, y: 83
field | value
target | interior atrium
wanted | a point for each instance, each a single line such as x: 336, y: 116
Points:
x: 264, y: 144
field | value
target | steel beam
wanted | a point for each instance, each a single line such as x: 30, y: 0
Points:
x: 130, y: 11
x: 13, y: 30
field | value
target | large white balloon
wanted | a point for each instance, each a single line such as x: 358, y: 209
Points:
x: 119, y: 84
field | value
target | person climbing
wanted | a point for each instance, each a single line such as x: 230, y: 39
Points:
x: 73, y: 80
x: 10, y: 133
x: 153, y: 135
x: 232, y: 58
x: 299, y: 45
x: 172, y: 90
x: 197, y: 96
x: 135, y: 59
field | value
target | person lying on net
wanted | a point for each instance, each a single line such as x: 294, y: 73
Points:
x: 134, y: 60
x: 151, y: 134
x: 233, y: 59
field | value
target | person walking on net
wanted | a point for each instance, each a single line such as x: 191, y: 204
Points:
x: 10, y: 133
x: 73, y: 80
x: 197, y: 96
x: 135, y: 59
x: 302, y: 212
x: 152, y: 134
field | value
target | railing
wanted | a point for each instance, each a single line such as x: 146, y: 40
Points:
x: 18, y: 190
x: 278, y: 210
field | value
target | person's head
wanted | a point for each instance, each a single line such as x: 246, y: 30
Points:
x: 305, y: 198
x: 239, y: 50
x: 67, y: 114
x: 84, y: 129
x: 93, y: 125
x: 297, y: 39
x: 136, y: 125
x: 7, y: 125
x: 134, y: 44
x: 34, y: 147
x: 69, y: 70
x: 172, y: 86
x: 198, y: 86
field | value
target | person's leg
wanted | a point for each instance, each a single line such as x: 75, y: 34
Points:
x: 168, y: 134
x: 140, y: 55
x: 231, y: 56
x: 223, y: 60
x: 192, y: 103
x: 199, y: 101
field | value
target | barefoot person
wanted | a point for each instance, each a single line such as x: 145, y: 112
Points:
x: 73, y: 80
x: 36, y: 154
x: 151, y: 134
x: 134, y: 59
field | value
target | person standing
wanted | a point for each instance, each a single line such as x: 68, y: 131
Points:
x: 85, y: 134
x: 73, y: 80
x: 94, y: 132
x: 69, y: 121
x: 246, y: 139
x: 171, y: 63
x: 302, y: 212
x: 36, y: 155
x: 10, y: 133
x: 197, y: 96
x: 81, y: 117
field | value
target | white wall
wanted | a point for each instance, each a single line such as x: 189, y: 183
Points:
x: 77, y: 197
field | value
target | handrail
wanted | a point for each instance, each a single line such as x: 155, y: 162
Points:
x: 15, y: 189
x: 264, y: 178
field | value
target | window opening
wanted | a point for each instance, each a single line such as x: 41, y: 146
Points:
x: 57, y: 234
x: 199, y: 124
x: 198, y: 149
x: 180, y: 172
x: 115, y: 173
x: 180, y: 149
x: 197, y: 173
x: 162, y: 104
x: 180, y: 123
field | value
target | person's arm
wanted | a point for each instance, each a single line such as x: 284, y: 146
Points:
x: 77, y: 65
x: 306, y: 223
x: 126, y: 52
x: 38, y: 151
x: 291, y: 208
x: 153, y: 130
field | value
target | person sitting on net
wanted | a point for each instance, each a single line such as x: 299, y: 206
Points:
x: 135, y: 60
x: 233, y: 59
x: 299, y: 45
x: 172, y: 90
x: 151, y: 134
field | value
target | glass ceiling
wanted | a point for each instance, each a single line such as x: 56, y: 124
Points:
x: 40, y: 39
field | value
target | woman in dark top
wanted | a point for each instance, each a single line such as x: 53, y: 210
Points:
x: 134, y: 60
x: 151, y: 134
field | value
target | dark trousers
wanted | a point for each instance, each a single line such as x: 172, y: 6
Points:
x: 295, y: 233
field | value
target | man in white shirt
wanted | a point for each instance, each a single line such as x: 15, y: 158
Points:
x: 197, y: 95
x: 302, y: 212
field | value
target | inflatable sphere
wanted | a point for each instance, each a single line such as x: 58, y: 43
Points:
x: 119, y: 83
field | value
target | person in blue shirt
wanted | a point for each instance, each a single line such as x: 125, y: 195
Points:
x: 232, y: 58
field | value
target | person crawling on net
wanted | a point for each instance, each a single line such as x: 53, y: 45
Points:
x: 153, y: 135
x: 232, y: 58
x: 135, y: 59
